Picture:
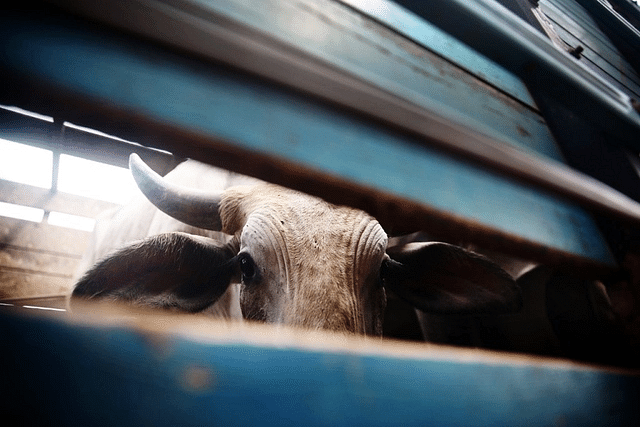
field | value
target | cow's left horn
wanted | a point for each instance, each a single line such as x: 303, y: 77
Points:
x: 193, y: 207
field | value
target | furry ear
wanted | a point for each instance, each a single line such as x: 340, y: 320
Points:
x: 442, y: 278
x: 174, y: 270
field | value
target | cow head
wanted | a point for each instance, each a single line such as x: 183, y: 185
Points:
x: 300, y: 261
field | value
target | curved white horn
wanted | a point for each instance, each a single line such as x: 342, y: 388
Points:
x: 193, y: 207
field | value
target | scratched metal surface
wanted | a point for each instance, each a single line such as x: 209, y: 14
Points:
x: 577, y: 28
x: 62, y: 372
x: 345, y: 38
x: 262, y: 119
x: 439, y: 42
x: 531, y: 56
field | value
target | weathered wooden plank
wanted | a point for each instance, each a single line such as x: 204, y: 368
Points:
x: 598, y: 60
x: 23, y: 284
x: 43, y: 237
x: 37, y: 259
x: 56, y: 264
x: 577, y: 18
x: 357, y: 46
x: 27, y: 195
x: 161, y: 371
x: 615, y: 25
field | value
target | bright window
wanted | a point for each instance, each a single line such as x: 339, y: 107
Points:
x: 25, y: 213
x: 71, y: 221
x: 95, y: 180
x: 25, y: 164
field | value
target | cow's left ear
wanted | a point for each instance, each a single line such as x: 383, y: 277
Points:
x: 173, y: 270
x: 442, y: 278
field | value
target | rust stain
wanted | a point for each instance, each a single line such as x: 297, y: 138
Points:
x: 197, y: 379
x: 522, y: 131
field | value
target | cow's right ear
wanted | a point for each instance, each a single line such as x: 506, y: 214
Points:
x: 441, y: 278
x: 174, y: 270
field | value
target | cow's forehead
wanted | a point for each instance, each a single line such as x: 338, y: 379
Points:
x: 339, y: 230
x: 299, y: 215
x: 288, y: 225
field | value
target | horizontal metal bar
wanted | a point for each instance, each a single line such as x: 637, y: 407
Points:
x: 41, y: 198
x: 275, y: 46
x: 248, y: 125
x: 605, y: 13
x: 36, y: 272
x: 24, y: 129
x: 432, y: 38
x: 173, y: 370
x: 217, y: 37
x: 498, y: 34
x: 53, y: 301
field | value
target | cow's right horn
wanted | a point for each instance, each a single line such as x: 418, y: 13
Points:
x: 193, y: 207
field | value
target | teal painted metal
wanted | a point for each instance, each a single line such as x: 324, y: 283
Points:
x: 497, y: 33
x: 577, y: 28
x: 261, y: 119
x: 605, y: 13
x: 414, y: 74
x: 342, y: 37
x: 56, y: 373
x: 431, y: 37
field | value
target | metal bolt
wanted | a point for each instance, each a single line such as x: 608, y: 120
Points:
x: 576, y: 51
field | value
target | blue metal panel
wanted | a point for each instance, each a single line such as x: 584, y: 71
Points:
x: 341, y: 37
x: 576, y: 27
x: 607, y: 16
x: 497, y: 33
x: 339, y: 77
x: 56, y: 373
x: 431, y: 37
x: 213, y: 102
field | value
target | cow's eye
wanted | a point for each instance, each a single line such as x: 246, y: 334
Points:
x: 247, y: 268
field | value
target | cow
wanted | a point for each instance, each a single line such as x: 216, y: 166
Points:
x: 563, y: 315
x: 272, y: 254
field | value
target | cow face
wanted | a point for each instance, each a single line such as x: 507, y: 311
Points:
x: 300, y: 261
x: 306, y: 262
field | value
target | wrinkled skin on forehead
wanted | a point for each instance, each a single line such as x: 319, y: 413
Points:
x: 316, y: 265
